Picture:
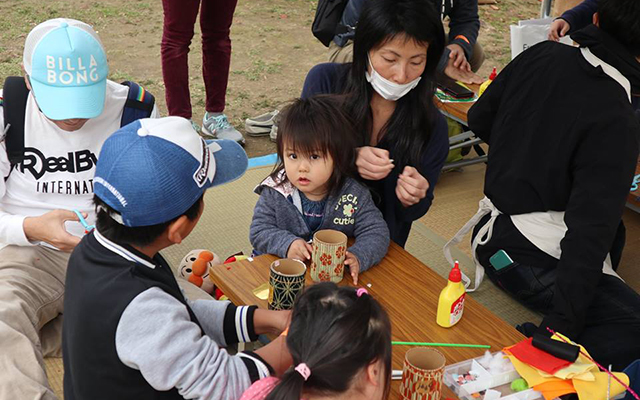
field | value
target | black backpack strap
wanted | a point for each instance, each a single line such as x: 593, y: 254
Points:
x: 139, y: 104
x: 15, y: 94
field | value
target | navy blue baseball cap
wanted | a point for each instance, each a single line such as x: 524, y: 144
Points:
x: 153, y: 170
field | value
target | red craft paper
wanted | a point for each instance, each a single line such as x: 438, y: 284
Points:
x: 525, y: 352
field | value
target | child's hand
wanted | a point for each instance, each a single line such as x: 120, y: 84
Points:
x: 300, y: 250
x: 354, y: 266
x: 269, y: 321
x: 281, y: 321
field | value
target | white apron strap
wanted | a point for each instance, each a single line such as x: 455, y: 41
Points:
x: 485, y: 206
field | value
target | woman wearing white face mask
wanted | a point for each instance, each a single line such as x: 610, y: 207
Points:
x: 388, y: 91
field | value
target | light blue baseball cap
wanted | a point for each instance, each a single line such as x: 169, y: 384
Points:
x: 67, y: 69
x: 154, y: 169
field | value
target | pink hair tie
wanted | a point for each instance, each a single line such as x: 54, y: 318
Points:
x: 361, y: 291
x: 303, y: 370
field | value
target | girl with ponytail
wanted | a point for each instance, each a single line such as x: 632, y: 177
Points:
x: 340, y: 342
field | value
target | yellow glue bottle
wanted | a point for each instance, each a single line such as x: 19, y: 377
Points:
x: 486, y: 83
x: 451, y: 302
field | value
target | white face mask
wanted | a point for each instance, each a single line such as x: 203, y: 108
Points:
x: 387, y: 89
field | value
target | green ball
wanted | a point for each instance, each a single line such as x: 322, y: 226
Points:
x: 519, y: 385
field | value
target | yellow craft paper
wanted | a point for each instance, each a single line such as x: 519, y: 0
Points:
x: 587, y: 376
x: 598, y: 388
x: 262, y: 291
x: 578, y: 370
x: 529, y: 373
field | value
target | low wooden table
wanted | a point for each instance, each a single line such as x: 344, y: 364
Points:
x: 408, y: 290
x: 457, y: 111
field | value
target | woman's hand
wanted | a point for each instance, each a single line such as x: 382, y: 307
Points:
x: 412, y: 187
x: 373, y: 163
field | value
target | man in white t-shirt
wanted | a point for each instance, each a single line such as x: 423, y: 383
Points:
x: 71, y: 109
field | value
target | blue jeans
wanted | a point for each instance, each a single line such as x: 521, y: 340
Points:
x: 612, y: 329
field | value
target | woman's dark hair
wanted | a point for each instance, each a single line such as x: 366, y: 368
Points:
x: 621, y: 19
x: 409, y: 128
x: 135, y: 236
x: 337, y: 334
x: 318, y: 124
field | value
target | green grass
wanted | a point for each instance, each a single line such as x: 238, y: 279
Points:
x: 18, y: 17
x: 265, y: 104
x: 259, y: 69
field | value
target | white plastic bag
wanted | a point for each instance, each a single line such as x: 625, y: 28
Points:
x: 530, y: 32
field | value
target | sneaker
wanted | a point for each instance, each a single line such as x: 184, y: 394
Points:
x: 218, y: 127
x: 260, y: 125
x: 273, y: 134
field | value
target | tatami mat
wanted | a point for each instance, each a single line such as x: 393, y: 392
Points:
x: 55, y: 373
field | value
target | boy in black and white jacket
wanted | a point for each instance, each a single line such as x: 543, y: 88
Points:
x: 129, y: 332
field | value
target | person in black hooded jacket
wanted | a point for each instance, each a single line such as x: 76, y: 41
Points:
x: 463, y: 55
x: 563, y: 144
x: 573, y: 19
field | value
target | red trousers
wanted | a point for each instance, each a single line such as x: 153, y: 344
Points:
x: 215, y: 22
